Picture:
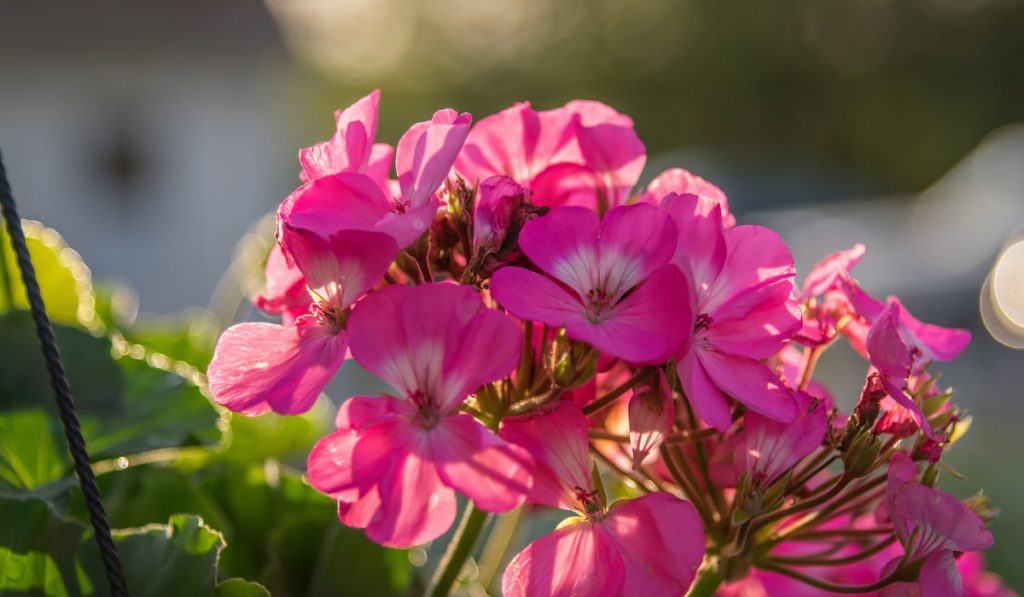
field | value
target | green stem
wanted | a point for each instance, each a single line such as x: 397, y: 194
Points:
x: 610, y: 397
x: 827, y: 586
x: 458, y: 551
x: 706, y: 584
x: 5, y: 273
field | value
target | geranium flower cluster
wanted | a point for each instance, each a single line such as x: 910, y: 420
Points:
x: 556, y: 338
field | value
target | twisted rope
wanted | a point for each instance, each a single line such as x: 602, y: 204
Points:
x: 65, y: 403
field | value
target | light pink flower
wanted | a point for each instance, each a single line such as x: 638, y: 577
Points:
x: 932, y: 526
x: 682, y: 182
x: 613, y: 285
x: 771, y: 448
x: 395, y: 463
x: 285, y: 293
x: 352, y: 200
x: 651, y: 545
x: 259, y: 367
x: 742, y: 282
x: 652, y: 413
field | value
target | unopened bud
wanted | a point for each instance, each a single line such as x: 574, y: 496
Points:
x: 571, y: 363
x: 862, y: 453
x: 982, y: 506
x: 930, y: 476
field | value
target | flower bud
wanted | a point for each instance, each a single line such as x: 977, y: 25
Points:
x: 651, y: 415
x: 862, y: 453
x: 570, y: 363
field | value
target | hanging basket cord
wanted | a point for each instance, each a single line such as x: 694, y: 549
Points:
x: 65, y: 403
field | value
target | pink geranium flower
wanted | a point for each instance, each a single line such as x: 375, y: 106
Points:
x: 395, y: 463
x: 352, y: 200
x: 651, y: 545
x: 652, y: 413
x: 611, y: 284
x: 933, y: 527
x: 352, y: 147
x: 742, y: 282
x: 771, y: 448
x: 259, y: 367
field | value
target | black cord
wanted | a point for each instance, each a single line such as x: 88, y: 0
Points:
x: 65, y: 403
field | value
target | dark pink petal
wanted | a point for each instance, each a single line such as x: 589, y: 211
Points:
x: 751, y: 382
x: 828, y: 272
x: 772, y: 448
x: 896, y: 390
x: 487, y: 349
x: 568, y: 184
x: 575, y: 560
x: 564, y: 244
x: 756, y: 322
x: 415, y: 505
x: 530, y: 296
x: 286, y: 293
x: 557, y: 439
x: 710, y: 403
x: 701, y: 249
x: 648, y: 326
x: 887, y: 351
x: 616, y: 154
x: 474, y: 461
x: 683, y: 182
x: 349, y: 148
x: 499, y: 201
x: 652, y: 413
x: 940, y: 576
x: 259, y: 367
x: 342, y: 268
x: 636, y: 240
x: 426, y: 152
x: 361, y: 411
x: 661, y: 543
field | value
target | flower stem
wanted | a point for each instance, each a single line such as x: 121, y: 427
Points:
x: 706, y: 583
x: 827, y: 586
x: 458, y: 550
x: 613, y: 395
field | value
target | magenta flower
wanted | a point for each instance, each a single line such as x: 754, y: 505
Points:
x: 742, y: 282
x: 771, y: 448
x: 259, y: 367
x: 395, y: 463
x: 613, y: 285
x: 352, y: 200
x: 651, y: 545
x: 933, y: 527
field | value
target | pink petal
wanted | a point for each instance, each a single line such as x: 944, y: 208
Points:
x: 756, y: 322
x: 888, y: 352
x: 558, y: 441
x: 636, y: 240
x: 259, y: 367
x: 495, y: 210
x: 828, y: 272
x: 651, y: 416
x: 564, y: 244
x: 359, y: 513
x: 329, y: 466
x: 751, y: 382
x: 939, y: 343
x: 683, y: 182
x: 575, y: 560
x: 941, y: 520
x: 940, y: 576
x: 754, y: 254
x: 648, y: 326
x: 426, y: 152
x: 568, y: 184
x: 362, y: 411
x: 345, y: 266
x: 705, y: 397
x: 661, y: 543
x: 895, y: 389
x: 518, y: 142
x: 616, y: 154
x: 531, y: 296
x: 701, y: 249
x: 427, y: 339
x: 593, y: 113
x: 286, y: 293
x: 381, y: 158
x: 416, y: 507
x: 772, y: 447
x: 349, y: 149
x: 479, y: 464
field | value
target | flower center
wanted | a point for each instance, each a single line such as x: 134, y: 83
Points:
x: 703, y: 322
x: 597, y: 302
x: 590, y: 503
x: 427, y: 412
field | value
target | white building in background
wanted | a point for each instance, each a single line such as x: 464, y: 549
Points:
x: 150, y: 134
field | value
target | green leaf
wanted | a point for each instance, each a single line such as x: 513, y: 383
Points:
x: 64, y: 280
x: 237, y: 587
x: 32, y: 451
x: 38, y: 549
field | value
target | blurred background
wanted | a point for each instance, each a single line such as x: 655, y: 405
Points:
x: 154, y: 135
